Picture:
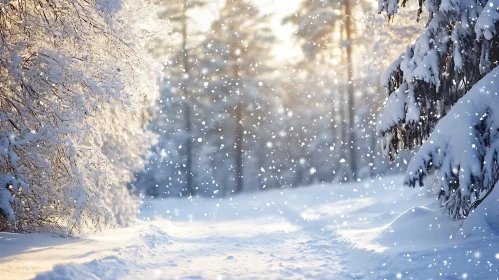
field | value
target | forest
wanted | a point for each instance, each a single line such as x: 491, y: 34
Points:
x: 236, y: 116
x: 262, y: 139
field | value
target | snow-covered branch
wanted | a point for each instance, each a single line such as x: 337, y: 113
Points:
x: 73, y: 82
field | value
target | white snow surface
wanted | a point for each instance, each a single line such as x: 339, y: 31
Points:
x: 485, y: 24
x: 374, y: 229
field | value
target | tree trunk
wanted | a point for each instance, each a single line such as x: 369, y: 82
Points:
x: 189, y: 188
x: 343, y: 171
x: 350, y: 102
x: 239, y: 148
x: 239, y: 124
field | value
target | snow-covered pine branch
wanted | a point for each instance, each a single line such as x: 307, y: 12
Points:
x: 73, y: 81
x: 447, y: 63
x: 463, y: 149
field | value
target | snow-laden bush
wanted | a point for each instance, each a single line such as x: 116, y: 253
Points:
x: 447, y: 64
x: 74, y: 80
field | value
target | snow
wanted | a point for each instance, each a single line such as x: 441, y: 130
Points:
x: 456, y: 147
x: 5, y: 196
x: 386, y: 79
x: 394, y: 111
x: 483, y: 220
x: 486, y: 22
x: 372, y: 230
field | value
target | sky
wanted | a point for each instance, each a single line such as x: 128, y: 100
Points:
x: 285, y: 49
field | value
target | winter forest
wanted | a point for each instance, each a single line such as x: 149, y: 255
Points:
x: 249, y: 139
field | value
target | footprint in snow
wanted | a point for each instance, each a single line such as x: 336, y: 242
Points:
x: 229, y: 258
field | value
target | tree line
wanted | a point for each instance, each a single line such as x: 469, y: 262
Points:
x: 232, y: 118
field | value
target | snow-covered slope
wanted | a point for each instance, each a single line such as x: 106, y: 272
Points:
x: 367, y: 230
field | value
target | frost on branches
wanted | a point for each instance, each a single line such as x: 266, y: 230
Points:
x: 73, y: 81
x: 444, y: 74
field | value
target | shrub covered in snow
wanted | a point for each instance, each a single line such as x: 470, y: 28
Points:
x: 444, y: 73
x: 73, y: 83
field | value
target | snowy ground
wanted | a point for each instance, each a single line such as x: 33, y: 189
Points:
x: 372, y: 230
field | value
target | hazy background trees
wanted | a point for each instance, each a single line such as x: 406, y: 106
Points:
x: 235, y: 114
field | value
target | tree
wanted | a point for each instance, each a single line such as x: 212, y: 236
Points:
x: 440, y: 92
x: 170, y: 171
x: 317, y: 22
x: 234, y: 65
x: 350, y: 90
x: 73, y: 84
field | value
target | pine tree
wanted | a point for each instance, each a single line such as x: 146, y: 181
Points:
x: 234, y: 73
x: 441, y: 97
x: 171, y: 168
x: 183, y: 20
x: 317, y: 22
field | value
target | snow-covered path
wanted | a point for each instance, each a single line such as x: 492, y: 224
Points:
x: 243, y: 249
x: 372, y: 230
x: 267, y: 245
